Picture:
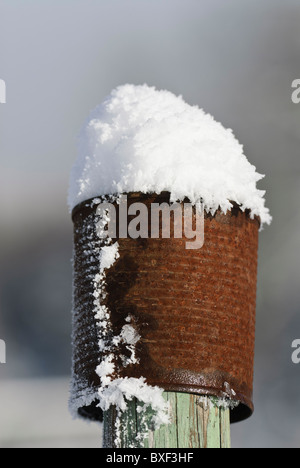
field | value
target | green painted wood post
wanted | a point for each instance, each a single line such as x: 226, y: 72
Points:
x: 196, y: 422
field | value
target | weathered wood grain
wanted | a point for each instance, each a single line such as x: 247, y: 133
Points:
x: 195, y: 422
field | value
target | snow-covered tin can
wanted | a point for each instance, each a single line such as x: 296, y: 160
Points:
x: 184, y: 319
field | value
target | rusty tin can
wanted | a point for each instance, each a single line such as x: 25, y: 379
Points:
x: 193, y: 309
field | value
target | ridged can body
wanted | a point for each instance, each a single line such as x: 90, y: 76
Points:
x: 194, y: 310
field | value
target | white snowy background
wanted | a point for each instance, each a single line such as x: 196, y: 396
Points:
x: 59, y: 58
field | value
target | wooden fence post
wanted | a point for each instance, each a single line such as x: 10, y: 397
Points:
x: 196, y: 422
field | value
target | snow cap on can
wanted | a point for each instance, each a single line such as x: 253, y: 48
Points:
x: 141, y: 139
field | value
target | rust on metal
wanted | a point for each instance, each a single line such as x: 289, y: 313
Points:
x: 194, y: 309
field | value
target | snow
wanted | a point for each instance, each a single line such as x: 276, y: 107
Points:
x: 129, y: 335
x: 116, y: 390
x: 123, y: 389
x: 210, y: 402
x: 149, y: 140
x: 116, y: 350
x: 109, y: 254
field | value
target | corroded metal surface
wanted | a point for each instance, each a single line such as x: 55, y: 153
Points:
x: 194, y: 309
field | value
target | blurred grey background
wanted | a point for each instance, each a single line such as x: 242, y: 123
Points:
x: 59, y: 59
